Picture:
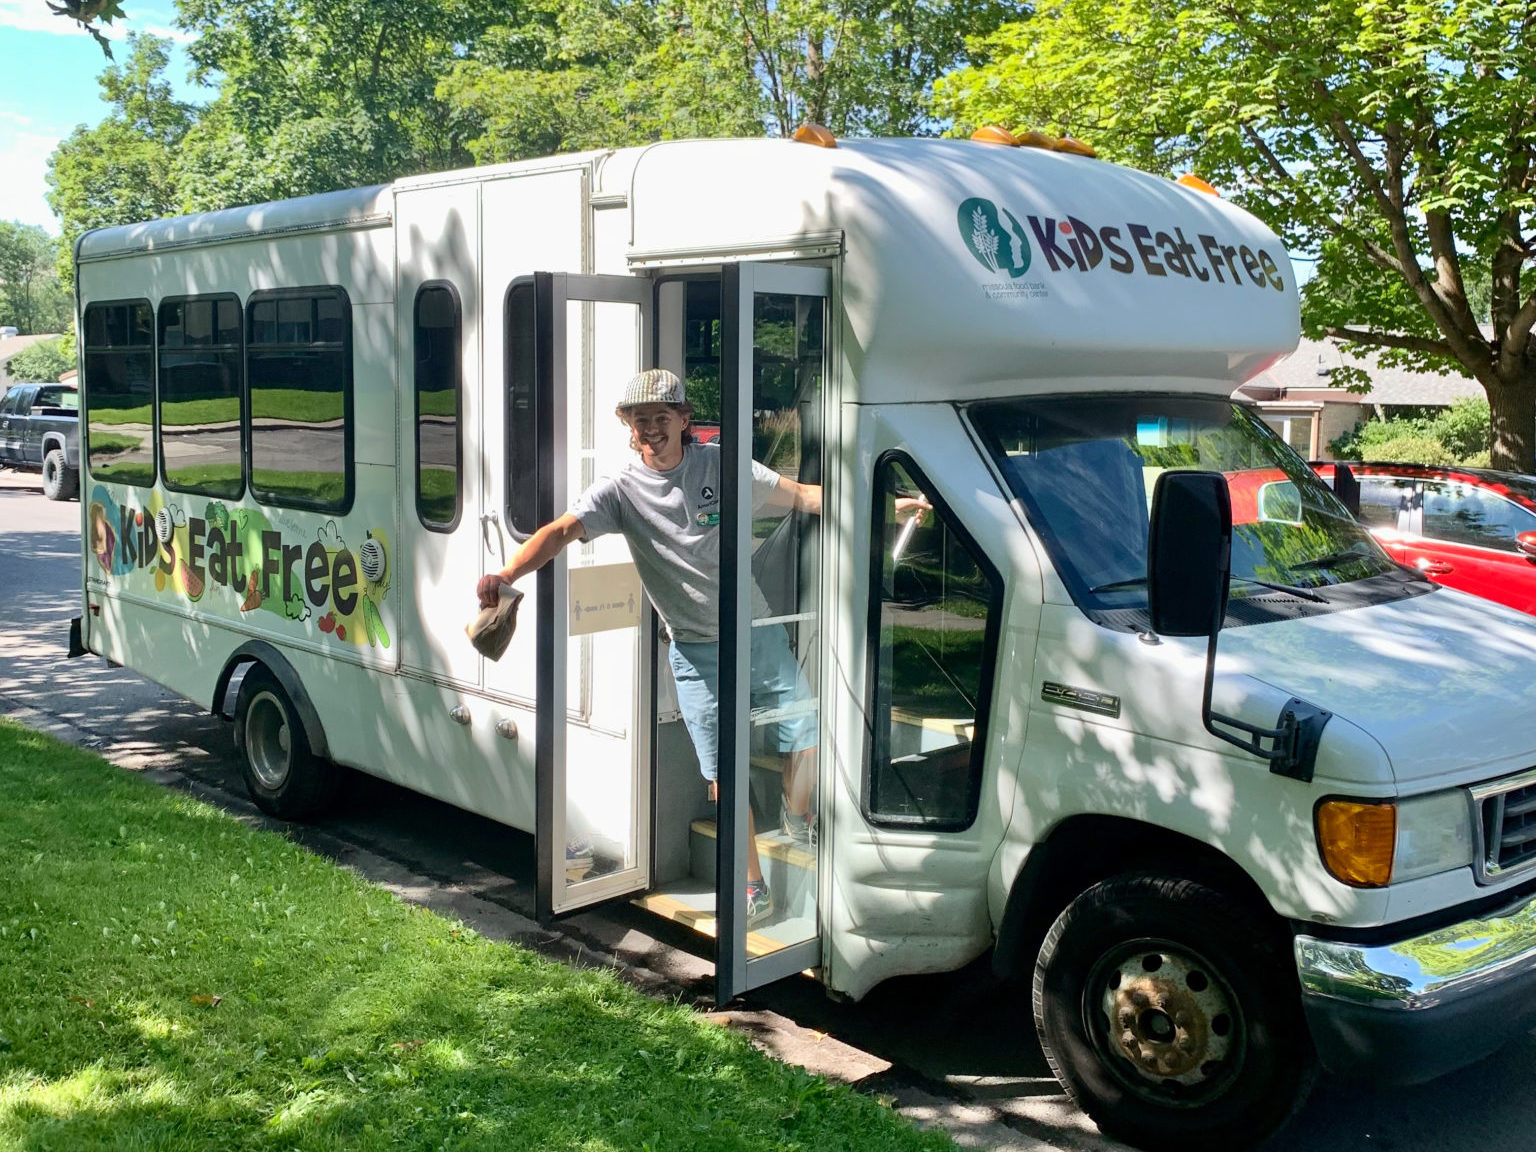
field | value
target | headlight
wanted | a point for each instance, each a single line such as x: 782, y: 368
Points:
x: 1372, y: 844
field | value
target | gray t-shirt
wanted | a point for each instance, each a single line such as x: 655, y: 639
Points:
x: 672, y: 523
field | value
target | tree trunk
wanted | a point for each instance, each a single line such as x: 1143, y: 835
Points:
x: 1512, y: 404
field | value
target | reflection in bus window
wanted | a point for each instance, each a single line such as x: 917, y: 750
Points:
x: 201, y: 395
x: 439, y: 448
x: 299, y: 358
x: 934, y: 645
x: 119, y: 379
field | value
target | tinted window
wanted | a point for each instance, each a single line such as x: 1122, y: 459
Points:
x: 933, y: 631
x: 438, y: 446
x: 57, y: 396
x: 522, y: 411
x: 118, y: 375
x: 1466, y: 514
x: 201, y: 395
x: 1389, y: 502
x: 12, y: 401
x: 299, y: 360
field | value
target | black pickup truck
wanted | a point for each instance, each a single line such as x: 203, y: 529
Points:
x: 40, y: 432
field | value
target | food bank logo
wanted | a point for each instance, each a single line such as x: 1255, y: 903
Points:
x: 998, y: 246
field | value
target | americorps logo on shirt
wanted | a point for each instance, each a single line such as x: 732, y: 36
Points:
x: 707, y: 519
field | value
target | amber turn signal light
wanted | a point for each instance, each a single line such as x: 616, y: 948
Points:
x: 1357, y: 841
x: 1190, y: 180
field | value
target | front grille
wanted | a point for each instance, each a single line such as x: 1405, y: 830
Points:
x: 1508, y: 826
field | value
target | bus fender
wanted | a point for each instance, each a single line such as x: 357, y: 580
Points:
x: 267, y: 655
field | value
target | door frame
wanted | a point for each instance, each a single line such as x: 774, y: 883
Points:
x: 553, y: 291
x: 735, y: 971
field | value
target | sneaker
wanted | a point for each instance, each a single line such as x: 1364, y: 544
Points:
x: 759, y: 902
x: 578, y: 860
x: 800, y: 829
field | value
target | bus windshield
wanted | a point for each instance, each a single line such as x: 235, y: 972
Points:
x: 1085, y: 469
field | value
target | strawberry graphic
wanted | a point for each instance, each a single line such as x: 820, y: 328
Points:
x: 328, y: 623
x: 341, y: 631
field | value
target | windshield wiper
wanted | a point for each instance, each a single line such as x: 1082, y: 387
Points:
x: 1330, y: 559
x: 1140, y: 582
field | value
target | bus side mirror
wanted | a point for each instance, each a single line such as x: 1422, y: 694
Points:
x: 1189, y: 553
x: 1346, y: 487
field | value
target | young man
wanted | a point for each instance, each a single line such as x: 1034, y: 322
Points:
x: 667, y: 505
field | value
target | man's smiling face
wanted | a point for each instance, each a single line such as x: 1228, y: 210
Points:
x: 656, y: 432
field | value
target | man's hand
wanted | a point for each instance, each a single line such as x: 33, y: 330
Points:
x: 489, y: 589
x: 906, y: 507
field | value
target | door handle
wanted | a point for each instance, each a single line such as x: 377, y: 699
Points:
x: 1436, y: 567
x: 488, y: 522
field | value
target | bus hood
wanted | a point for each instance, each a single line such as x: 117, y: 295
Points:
x: 1445, y: 682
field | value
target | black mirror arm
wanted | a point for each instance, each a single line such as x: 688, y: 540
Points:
x: 1292, y: 751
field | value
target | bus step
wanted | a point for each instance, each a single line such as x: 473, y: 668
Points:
x: 692, y: 902
x: 788, y: 866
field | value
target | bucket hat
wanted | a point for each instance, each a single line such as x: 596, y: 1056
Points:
x: 653, y: 386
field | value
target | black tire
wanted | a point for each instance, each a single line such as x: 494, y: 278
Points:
x: 282, y: 773
x: 1170, y: 1013
x: 60, y: 481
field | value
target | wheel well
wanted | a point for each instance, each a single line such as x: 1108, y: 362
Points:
x: 260, y: 653
x: 1083, y: 850
x: 53, y: 441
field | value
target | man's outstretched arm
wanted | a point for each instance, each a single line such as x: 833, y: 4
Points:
x: 535, y: 552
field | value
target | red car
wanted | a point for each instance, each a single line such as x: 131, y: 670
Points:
x: 1468, y: 528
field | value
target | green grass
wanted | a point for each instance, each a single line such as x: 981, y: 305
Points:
x: 171, y: 979
x: 294, y: 404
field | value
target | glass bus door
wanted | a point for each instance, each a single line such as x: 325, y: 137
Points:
x: 774, y: 333
x: 594, y: 632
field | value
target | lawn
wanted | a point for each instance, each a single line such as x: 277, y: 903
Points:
x: 171, y: 979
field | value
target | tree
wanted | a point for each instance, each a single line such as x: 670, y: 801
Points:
x: 1395, y: 139
x: 124, y: 170
x: 90, y: 15
x: 30, y: 295
x: 593, y: 73
x: 44, y: 361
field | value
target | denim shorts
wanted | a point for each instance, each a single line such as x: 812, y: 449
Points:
x: 776, y: 682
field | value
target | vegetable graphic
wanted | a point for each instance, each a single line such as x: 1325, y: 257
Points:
x: 328, y: 623
x: 252, y: 596
x: 377, y: 634
x: 341, y: 631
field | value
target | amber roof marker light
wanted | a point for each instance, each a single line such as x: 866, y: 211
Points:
x: 1190, y: 180
x: 995, y: 134
x: 1074, y: 147
x: 1033, y: 139
x: 809, y: 133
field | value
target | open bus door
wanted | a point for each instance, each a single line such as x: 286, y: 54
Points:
x: 592, y: 753
x: 773, y: 373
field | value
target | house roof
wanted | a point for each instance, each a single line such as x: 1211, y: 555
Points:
x: 1304, y: 375
x: 9, y: 346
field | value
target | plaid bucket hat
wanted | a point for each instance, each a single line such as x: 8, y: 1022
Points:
x: 653, y: 386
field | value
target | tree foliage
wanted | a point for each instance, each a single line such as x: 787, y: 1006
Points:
x: 92, y: 15
x: 1393, y: 139
x: 44, y: 361
x: 31, y: 298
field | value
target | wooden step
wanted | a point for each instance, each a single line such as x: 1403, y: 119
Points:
x: 775, y: 845
x: 694, y: 906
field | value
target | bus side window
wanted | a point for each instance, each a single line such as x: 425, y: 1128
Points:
x: 438, y: 387
x: 522, y: 412
x: 201, y: 395
x: 119, y: 381
x: 299, y: 364
x: 935, y: 613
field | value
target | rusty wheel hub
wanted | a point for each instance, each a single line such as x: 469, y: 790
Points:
x: 1168, y: 1016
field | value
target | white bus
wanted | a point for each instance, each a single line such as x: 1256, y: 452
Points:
x: 311, y: 426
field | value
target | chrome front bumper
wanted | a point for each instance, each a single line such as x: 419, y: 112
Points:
x: 1413, y: 1009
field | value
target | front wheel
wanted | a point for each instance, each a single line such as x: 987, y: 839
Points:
x: 282, y: 773
x: 1169, y: 1013
x: 60, y: 481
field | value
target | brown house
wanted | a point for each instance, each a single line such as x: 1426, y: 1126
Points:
x: 1294, y: 397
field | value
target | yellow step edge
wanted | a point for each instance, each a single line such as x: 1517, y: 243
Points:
x: 774, y: 845
x: 701, y: 920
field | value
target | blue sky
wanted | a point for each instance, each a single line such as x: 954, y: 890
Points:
x: 48, y: 71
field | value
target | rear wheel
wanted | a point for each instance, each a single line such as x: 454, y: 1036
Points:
x: 282, y: 773
x: 60, y: 481
x: 1167, y: 1011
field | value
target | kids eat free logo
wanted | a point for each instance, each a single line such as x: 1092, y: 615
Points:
x: 1000, y: 244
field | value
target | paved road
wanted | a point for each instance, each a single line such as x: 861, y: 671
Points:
x: 956, y: 1050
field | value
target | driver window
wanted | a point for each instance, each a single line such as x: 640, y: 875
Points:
x: 933, y: 643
